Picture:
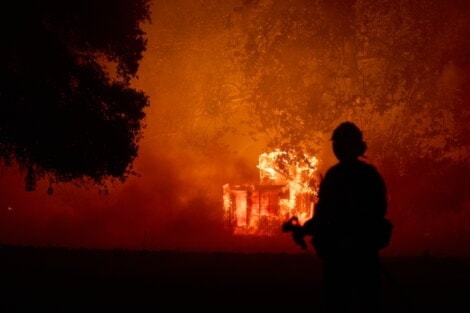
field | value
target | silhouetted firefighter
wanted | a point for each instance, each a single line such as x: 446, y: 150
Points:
x: 349, y: 226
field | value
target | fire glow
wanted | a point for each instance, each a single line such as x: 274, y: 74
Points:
x: 287, y: 187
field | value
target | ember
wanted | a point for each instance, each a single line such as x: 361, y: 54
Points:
x: 287, y: 187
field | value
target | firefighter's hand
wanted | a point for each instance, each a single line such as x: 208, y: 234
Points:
x: 292, y: 225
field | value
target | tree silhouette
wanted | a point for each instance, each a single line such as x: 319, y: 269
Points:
x: 67, y: 109
x: 398, y: 68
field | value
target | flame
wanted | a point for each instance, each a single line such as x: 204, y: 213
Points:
x: 287, y: 188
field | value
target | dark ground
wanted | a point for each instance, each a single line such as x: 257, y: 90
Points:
x: 87, y: 280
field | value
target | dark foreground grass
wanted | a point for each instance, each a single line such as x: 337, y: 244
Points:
x: 87, y: 280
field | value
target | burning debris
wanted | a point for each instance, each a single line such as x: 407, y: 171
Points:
x: 287, y: 187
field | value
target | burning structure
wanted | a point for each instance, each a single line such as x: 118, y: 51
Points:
x: 287, y: 187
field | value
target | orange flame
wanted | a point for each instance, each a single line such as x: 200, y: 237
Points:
x: 287, y: 188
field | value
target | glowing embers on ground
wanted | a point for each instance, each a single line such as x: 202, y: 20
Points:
x: 287, y: 187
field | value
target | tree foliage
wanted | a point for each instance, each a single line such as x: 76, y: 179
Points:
x: 67, y: 109
x: 396, y: 67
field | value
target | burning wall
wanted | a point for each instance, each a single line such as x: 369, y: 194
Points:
x: 287, y: 187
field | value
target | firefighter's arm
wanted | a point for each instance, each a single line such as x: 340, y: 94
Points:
x: 292, y: 225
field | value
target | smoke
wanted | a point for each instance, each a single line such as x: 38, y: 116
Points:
x: 175, y: 201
